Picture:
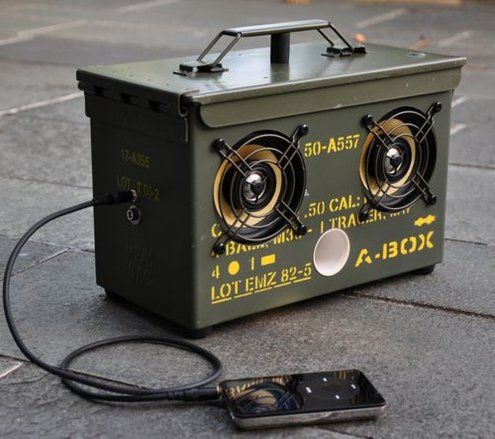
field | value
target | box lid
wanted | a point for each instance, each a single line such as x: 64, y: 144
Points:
x: 250, y: 74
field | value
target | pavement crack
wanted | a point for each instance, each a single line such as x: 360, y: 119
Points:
x: 41, y: 261
x: 34, y: 180
x: 478, y: 68
x: 472, y: 165
x: 30, y: 380
x: 465, y: 241
x: 37, y: 62
x: 46, y: 403
x: 23, y: 361
x: 345, y: 433
x: 422, y: 305
x: 53, y: 244
x: 41, y: 104
x: 12, y: 358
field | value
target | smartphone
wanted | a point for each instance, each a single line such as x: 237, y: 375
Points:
x: 304, y: 398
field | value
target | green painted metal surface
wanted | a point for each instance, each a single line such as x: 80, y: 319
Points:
x: 153, y: 130
x: 250, y: 73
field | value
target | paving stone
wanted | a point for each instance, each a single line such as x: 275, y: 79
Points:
x: 39, y: 406
x: 73, y: 306
x: 477, y: 82
x: 470, y: 205
x: 474, y: 144
x: 70, y: 111
x: 431, y: 366
x: 189, y: 39
x: 168, y: 30
x: 32, y: 254
x: 474, y: 291
x: 425, y: 21
x: 213, y: 14
x: 91, y: 9
x: 47, y: 145
x: 25, y: 83
x: 434, y: 367
x: 14, y: 20
x: 419, y: 359
x: 29, y: 201
x: 79, y: 53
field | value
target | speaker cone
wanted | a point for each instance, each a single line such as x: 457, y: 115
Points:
x: 259, y: 186
x: 398, y: 159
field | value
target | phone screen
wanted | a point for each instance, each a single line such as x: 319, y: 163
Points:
x: 300, y: 393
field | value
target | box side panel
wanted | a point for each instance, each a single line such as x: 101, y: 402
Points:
x: 386, y: 245
x: 147, y: 263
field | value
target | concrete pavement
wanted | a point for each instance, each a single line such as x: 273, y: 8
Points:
x: 426, y: 342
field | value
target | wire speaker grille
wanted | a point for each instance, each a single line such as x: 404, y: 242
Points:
x: 398, y: 159
x: 259, y: 187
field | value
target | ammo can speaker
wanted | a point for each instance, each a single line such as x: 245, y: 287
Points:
x: 268, y: 176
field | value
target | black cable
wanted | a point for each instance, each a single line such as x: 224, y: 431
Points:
x: 112, y: 391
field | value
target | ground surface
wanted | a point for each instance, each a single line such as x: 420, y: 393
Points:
x: 428, y: 343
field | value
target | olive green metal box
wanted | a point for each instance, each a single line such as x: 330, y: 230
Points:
x: 264, y: 180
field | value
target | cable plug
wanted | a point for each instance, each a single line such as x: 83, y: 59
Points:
x: 116, y: 198
x: 199, y: 394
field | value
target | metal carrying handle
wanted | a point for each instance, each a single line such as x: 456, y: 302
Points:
x: 279, y: 48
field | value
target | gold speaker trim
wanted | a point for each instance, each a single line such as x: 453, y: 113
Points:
x: 248, y: 152
x: 395, y: 128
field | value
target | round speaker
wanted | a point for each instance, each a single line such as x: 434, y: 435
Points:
x: 259, y: 187
x: 397, y: 159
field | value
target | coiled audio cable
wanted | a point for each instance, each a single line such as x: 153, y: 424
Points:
x: 107, y: 390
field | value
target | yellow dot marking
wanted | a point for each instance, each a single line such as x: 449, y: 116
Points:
x: 234, y: 268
